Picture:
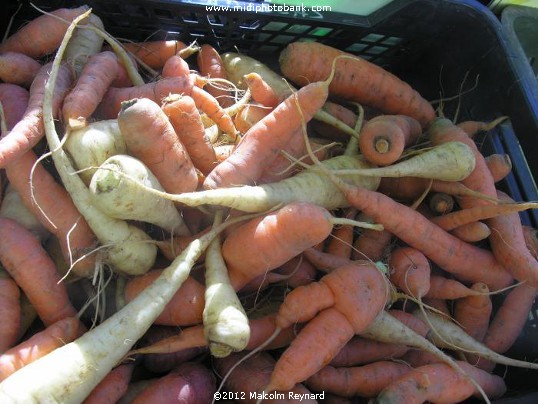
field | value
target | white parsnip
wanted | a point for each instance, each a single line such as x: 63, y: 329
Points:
x: 131, y: 250
x: 226, y: 325
x: 120, y: 198
x: 91, y: 145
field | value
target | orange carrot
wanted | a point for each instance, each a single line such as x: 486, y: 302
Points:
x: 441, y: 203
x: 95, y: 78
x: 251, y: 375
x: 211, y: 107
x: 499, y: 165
x: 41, y: 343
x: 17, y: 68
x: 110, y: 106
x: 473, y: 313
x: 154, y: 53
x: 262, y: 142
x: 150, y: 137
x: 185, y: 308
x: 410, y: 271
x: 187, y: 123
x: 14, y: 101
x: 362, y: 381
x: 464, y: 260
x: 473, y: 127
x: 371, y: 244
x: 272, y: 240
x: 190, y: 382
x: 53, y: 207
x: 472, y: 232
x: 383, y: 139
x: 323, y: 261
x: 210, y: 65
x: 341, y: 241
x: 360, y: 350
x: 447, y: 288
x: 508, y: 245
x: 29, y: 130
x: 43, y: 34
x: 10, y: 312
x: 112, y: 387
x: 34, y: 271
x: 339, y: 112
x: 355, y: 79
x: 439, y: 382
x: 175, y: 66
x: 249, y: 115
x: 260, y: 91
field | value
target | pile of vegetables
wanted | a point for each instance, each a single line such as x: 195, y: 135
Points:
x: 178, y: 222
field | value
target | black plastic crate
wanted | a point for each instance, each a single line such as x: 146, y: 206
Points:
x: 432, y: 44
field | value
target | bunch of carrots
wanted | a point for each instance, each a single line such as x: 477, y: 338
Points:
x: 192, y: 222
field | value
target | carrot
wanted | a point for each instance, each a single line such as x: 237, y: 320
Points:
x: 190, y: 382
x: 42, y: 35
x: 464, y: 260
x: 150, y: 136
x: 261, y: 91
x: 445, y: 288
x: 14, y: 100
x: 164, y: 362
x: 441, y: 203
x: 34, y: 271
x: 95, y: 78
x: 410, y: 271
x: 52, y: 206
x: 110, y: 105
x: 185, y: 307
x: 341, y: 241
x: 473, y: 313
x: 323, y: 261
x: 473, y: 127
x: 383, y: 139
x: 29, y: 130
x: 362, y: 381
x: 341, y: 113
x: 293, y: 228
x: 510, y: 318
x: 175, y: 66
x: 17, y: 68
x: 112, y: 387
x: 356, y: 79
x: 251, y: 375
x: 10, y: 312
x: 360, y: 350
x: 38, y: 345
x: 509, y: 248
x: 210, y: 106
x: 154, y: 53
x: 472, y: 232
x: 187, y: 123
x: 249, y: 116
x: 371, y: 244
x: 440, y: 383
x: 262, y: 141
x: 210, y: 65
x: 499, y: 165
